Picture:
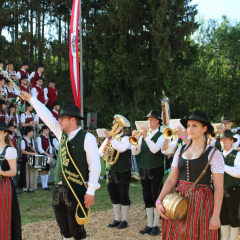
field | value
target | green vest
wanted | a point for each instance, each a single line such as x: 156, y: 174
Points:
x: 150, y: 160
x: 76, y: 150
x: 123, y: 162
x: 229, y: 160
x: 218, y: 144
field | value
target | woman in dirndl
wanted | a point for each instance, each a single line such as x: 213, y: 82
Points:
x: 10, y: 220
x: 203, y: 217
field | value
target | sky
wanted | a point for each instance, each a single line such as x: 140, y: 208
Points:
x: 216, y: 8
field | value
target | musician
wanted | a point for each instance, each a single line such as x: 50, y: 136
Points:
x: 227, y: 123
x: 118, y: 177
x: 35, y: 75
x: 51, y: 92
x: 28, y: 175
x: 11, y: 129
x: 27, y: 118
x: 55, y: 144
x: 13, y: 116
x: 3, y: 90
x: 38, y: 121
x: 231, y: 199
x: 151, y: 169
x: 84, y: 152
x: 24, y: 85
x: 55, y: 110
x: 23, y: 71
x: 38, y: 91
x: 10, y: 71
x: 12, y: 92
x: 44, y: 147
x: 3, y: 115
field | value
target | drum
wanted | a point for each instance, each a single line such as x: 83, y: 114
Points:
x: 38, y: 161
x: 51, y: 161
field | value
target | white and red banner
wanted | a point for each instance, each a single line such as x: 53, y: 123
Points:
x: 74, y: 53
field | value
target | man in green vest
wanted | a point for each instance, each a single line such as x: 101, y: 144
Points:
x: 151, y: 168
x: 231, y: 199
x: 77, y: 170
x: 227, y: 123
x: 118, y: 175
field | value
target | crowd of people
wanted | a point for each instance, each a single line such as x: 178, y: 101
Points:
x: 34, y: 130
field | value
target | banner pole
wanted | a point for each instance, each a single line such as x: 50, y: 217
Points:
x: 81, y: 61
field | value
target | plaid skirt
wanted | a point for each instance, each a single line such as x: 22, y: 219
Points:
x: 196, y: 224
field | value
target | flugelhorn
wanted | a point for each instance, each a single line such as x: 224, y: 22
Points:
x: 168, y: 133
x: 134, y: 140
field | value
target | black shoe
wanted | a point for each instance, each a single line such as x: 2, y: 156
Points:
x: 114, y: 224
x: 145, y: 230
x: 47, y: 188
x: 122, y: 225
x: 155, y: 231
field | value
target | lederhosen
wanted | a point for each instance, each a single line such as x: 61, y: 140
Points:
x: 118, y: 178
x: 151, y: 172
x: 231, y: 198
x: 45, y: 146
x: 10, y: 219
x: 196, y: 224
x: 22, y: 178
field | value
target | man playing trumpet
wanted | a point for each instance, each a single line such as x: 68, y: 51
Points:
x: 151, y: 168
x: 118, y: 174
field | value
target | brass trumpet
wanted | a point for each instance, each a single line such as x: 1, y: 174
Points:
x: 168, y: 133
x: 134, y: 140
x: 212, y: 136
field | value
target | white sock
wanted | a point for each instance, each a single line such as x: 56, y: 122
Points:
x: 225, y: 229
x: 46, y: 180
x: 125, y: 211
x: 117, y: 212
x: 71, y: 238
x: 43, y: 182
x: 234, y: 233
x: 156, y: 218
x: 149, y: 212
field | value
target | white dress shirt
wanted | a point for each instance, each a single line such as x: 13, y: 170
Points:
x: 90, y: 144
x: 19, y: 74
x: 15, y: 91
x: 24, y: 116
x: 23, y: 145
x: 153, y: 147
x: 39, y: 145
x: 32, y: 75
x: 235, y: 170
x: 120, y: 146
x: 34, y: 92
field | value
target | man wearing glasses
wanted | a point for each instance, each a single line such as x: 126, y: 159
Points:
x: 77, y: 170
x: 227, y: 123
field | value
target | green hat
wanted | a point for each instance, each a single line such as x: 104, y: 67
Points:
x: 70, y: 110
x: 226, y: 117
x: 199, y: 116
x: 154, y: 114
x: 228, y: 134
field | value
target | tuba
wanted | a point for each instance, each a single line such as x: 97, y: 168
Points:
x: 111, y: 155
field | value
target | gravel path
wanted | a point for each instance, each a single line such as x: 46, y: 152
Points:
x: 96, y: 229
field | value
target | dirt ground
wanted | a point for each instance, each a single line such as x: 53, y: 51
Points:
x: 96, y: 229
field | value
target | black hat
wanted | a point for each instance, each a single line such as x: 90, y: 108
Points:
x: 2, y: 102
x: 27, y: 104
x: 11, y: 125
x: 27, y: 129
x: 52, y: 80
x: 226, y: 117
x: 23, y: 77
x: 200, y: 116
x: 11, y: 105
x: 40, y: 65
x: 154, y: 114
x: 228, y: 134
x: 24, y: 63
x: 55, y: 104
x: 39, y: 78
x: 70, y: 110
x: 3, y: 127
x: 44, y: 127
x: 10, y: 62
x: 2, y: 77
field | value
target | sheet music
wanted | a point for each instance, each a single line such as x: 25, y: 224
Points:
x: 174, y: 123
x: 140, y: 124
x: 100, y: 132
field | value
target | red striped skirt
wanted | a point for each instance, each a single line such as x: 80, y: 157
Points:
x: 196, y: 224
x: 5, y: 209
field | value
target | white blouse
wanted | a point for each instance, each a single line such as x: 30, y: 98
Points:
x: 217, y: 162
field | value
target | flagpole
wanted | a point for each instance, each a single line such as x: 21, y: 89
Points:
x: 81, y: 61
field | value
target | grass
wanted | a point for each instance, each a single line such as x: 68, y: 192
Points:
x: 37, y: 206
